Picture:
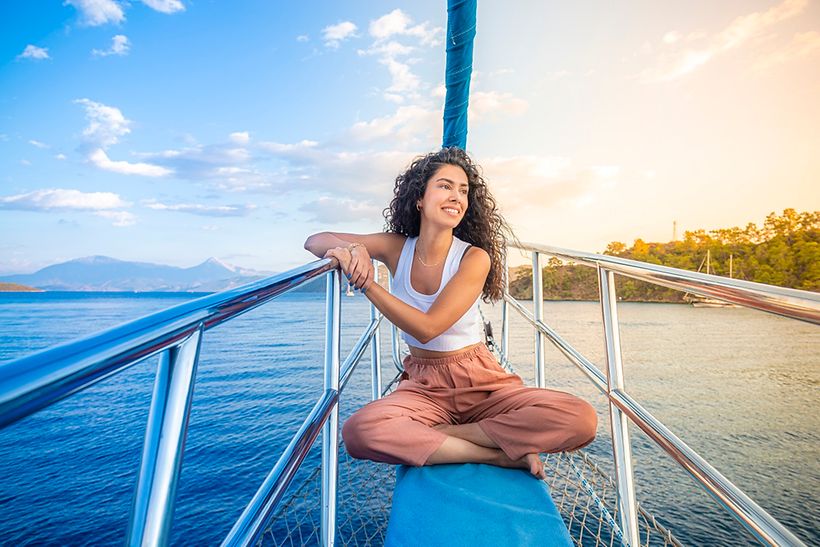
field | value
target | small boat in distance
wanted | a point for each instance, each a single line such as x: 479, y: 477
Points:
x: 704, y: 301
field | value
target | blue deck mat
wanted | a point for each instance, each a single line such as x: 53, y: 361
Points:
x: 472, y: 504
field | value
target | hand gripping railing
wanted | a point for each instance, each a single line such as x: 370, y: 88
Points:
x: 791, y: 303
x: 36, y: 381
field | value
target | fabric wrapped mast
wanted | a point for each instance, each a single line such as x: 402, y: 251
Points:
x: 461, y: 18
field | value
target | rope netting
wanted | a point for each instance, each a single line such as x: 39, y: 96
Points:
x: 583, y: 494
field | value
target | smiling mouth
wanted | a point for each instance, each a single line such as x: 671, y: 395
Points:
x: 451, y: 211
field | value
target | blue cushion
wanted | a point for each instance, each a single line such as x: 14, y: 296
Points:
x: 472, y: 504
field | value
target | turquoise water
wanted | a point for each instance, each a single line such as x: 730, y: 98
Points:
x: 738, y: 386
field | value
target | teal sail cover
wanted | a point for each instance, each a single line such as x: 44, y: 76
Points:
x: 461, y: 16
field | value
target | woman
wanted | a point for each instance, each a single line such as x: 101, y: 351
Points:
x: 444, y: 245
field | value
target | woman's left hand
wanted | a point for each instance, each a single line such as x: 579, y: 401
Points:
x: 342, y: 256
x: 361, y: 267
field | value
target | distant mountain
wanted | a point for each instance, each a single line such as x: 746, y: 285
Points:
x: 102, y: 273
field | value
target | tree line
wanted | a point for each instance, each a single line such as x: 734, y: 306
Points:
x: 785, y: 252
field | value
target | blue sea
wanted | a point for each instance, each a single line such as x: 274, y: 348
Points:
x: 739, y: 386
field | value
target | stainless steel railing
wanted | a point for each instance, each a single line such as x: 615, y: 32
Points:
x: 791, y: 303
x: 36, y: 381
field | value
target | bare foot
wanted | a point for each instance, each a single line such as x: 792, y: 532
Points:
x: 535, y: 466
x: 530, y: 462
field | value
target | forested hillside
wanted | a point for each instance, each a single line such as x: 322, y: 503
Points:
x: 785, y: 251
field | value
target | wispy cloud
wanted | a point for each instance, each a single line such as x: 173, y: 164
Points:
x: 240, y: 137
x: 803, y: 44
x: 488, y: 104
x: 59, y: 198
x: 106, y: 125
x: 526, y: 186
x: 119, y: 219
x: 680, y: 56
x: 334, y: 35
x: 34, y: 52
x: 203, y: 210
x: 119, y: 46
x: 94, y: 13
x: 333, y: 210
x: 386, y: 30
x: 99, y: 158
x: 107, y: 205
x: 165, y: 6
x: 398, y: 23
x: 98, y: 12
x: 37, y: 144
x: 303, y: 38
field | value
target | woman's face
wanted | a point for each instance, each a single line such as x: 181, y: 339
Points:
x: 445, y: 198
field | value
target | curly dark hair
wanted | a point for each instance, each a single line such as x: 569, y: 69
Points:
x: 481, y: 226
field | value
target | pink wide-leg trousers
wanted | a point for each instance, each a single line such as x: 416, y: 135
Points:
x: 466, y: 387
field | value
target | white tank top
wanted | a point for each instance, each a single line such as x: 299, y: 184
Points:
x: 464, y: 332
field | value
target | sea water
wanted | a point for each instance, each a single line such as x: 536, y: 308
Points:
x: 739, y: 386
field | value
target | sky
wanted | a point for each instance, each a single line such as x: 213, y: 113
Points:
x: 171, y: 131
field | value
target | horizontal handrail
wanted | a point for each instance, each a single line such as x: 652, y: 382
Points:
x: 734, y: 499
x: 587, y: 367
x: 714, y: 482
x: 358, y: 350
x: 38, y: 380
x: 792, y: 303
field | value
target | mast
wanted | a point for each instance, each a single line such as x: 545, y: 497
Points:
x: 461, y: 17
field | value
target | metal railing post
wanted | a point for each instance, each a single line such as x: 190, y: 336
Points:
x: 621, y: 448
x: 153, y: 508
x: 375, y: 350
x: 330, y: 433
x: 505, y: 316
x: 538, y: 313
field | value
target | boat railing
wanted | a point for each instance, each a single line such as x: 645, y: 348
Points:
x: 36, y: 381
x: 790, y: 303
x: 31, y: 383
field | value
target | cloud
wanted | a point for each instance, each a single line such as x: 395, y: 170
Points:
x: 303, y: 38
x: 677, y: 59
x: 58, y: 198
x: 528, y: 185
x: 120, y: 219
x: 38, y: 144
x: 803, y: 44
x: 119, y: 46
x: 390, y: 52
x: 165, y: 6
x: 34, y: 52
x: 106, y: 124
x: 60, y: 157
x: 334, y: 35
x: 99, y: 158
x: 487, y: 104
x: 225, y: 165
x: 98, y: 12
x: 240, y: 137
x: 204, y: 210
x: 330, y: 210
x: 408, y: 124
x: 398, y: 23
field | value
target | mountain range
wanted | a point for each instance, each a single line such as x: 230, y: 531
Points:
x: 102, y: 273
